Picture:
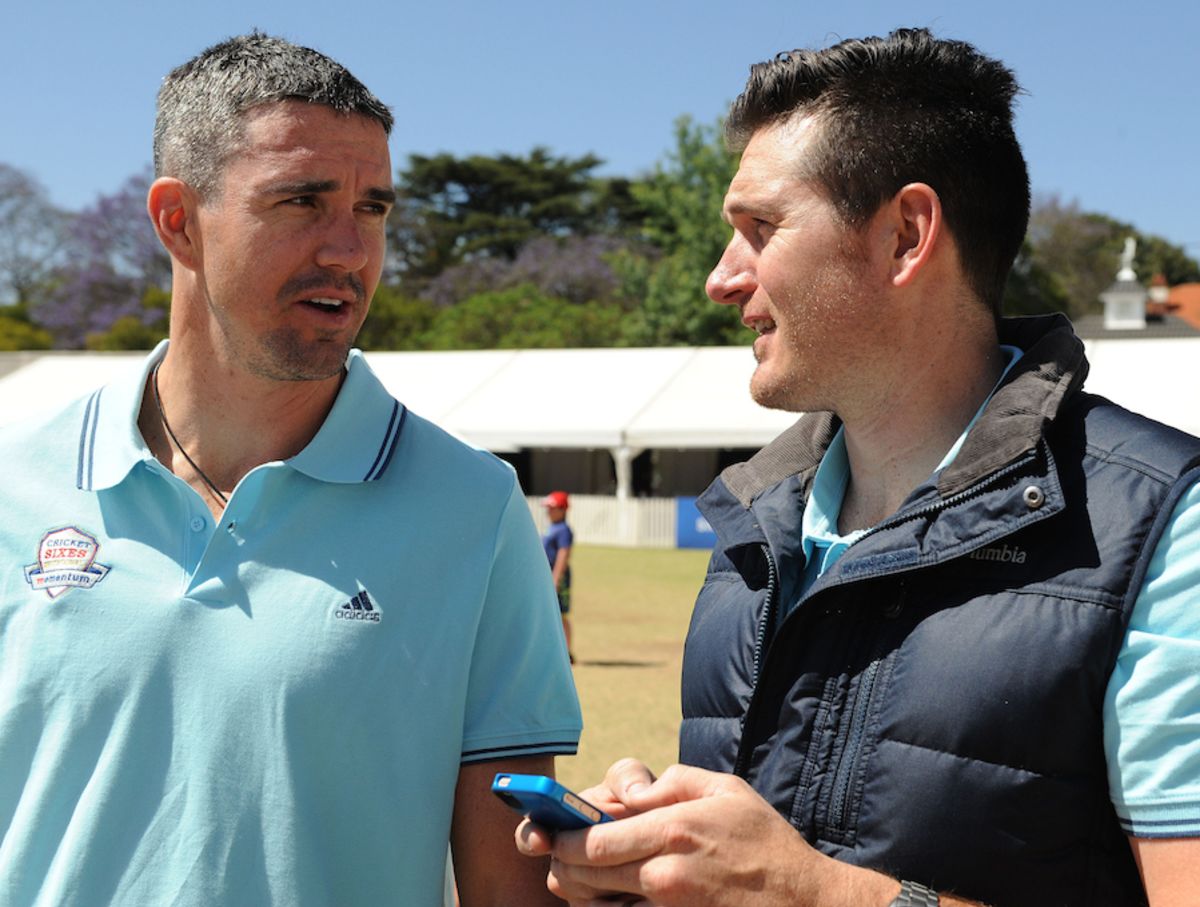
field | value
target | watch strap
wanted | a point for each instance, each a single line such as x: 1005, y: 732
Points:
x: 914, y: 894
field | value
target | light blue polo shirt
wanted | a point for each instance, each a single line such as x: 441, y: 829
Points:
x: 272, y: 710
x: 1152, y: 704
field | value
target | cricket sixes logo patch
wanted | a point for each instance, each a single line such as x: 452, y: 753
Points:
x: 66, y: 558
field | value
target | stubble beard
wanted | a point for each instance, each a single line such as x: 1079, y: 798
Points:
x: 283, y: 353
x: 806, y: 338
x: 285, y: 356
x: 783, y: 389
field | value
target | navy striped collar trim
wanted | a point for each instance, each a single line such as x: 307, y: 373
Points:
x: 356, y: 443
x: 388, y: 446
x: 86, y: 469
x: 359, y: 437
x: 110, y: 444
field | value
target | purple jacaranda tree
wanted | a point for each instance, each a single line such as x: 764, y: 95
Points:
x: 113, y: 258
x: 463, y: 280
x: 30, y: 236
x: 577, y: 269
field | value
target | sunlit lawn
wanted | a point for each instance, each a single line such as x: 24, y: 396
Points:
x: 629, y: 613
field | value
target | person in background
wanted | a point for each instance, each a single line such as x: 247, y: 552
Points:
x: 946, y: 650
x: 266, y: 635
x: 556, y: 541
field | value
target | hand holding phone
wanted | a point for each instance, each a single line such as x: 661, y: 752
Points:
x: 547, y: 802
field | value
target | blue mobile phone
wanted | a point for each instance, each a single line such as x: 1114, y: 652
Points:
x: 546, y: 802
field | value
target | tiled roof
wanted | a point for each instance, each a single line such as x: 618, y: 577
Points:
x: 1171, y: 325
x: 1184, y: 302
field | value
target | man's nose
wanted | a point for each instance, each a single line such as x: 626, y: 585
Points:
x: 344, y: 246
x: 732, y: 281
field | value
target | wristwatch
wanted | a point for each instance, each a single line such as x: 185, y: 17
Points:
x: 914, y: 894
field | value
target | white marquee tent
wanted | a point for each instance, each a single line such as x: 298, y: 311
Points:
x: 622, y: 400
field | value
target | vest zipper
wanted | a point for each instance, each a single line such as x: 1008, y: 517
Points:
x: 742, y: 762
x: 760, y: 644
x: 847, y: 768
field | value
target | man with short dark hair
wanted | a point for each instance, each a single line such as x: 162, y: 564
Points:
x: 236, y: 665
x: 945, y: 651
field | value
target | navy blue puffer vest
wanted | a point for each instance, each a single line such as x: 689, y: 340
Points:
x: 931, y: 708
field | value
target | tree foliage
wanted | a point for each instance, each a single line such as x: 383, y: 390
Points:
x: 1076, y: 255
x: 453, y: 209
x: 17, y: 333
x: 523, y: 317
x: 1031, y: 288
x: 682, y: 200
x: 577, y: 268
x: 142, y: 331
x: 114, y: 258
x: 397, y: 322
x: 30, y: 236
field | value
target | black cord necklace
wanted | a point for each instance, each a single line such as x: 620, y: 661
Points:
x: 167, y: 425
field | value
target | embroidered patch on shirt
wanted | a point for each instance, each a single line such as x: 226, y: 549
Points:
x: 66, y: 558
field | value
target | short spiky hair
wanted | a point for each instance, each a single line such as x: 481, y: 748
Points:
x: 906, y: 108
x: 201, y: 103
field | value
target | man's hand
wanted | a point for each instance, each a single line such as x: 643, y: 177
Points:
x: 694, y: 838
x: 622, y: 780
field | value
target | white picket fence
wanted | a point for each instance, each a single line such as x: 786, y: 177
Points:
x: 605, y: 520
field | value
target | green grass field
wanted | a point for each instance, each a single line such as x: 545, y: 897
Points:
x: 629, y: 616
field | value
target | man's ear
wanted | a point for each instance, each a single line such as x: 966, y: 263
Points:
x: 915, y: 213
x: 172, y: 205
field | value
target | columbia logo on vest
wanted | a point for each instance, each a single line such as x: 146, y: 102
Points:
x: 358, y: 608
x: 1003, y: 554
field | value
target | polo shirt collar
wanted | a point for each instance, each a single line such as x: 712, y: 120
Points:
x: 819, y: 520
x: 110, y: 443
x: 359, y: 436
x: 355, y: 443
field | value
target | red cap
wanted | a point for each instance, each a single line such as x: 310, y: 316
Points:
x: 557, y: 499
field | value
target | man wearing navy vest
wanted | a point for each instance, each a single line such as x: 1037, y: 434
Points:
x: 946, y: 651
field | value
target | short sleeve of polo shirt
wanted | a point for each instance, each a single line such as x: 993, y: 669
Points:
x: 521, y: 696
x: 1152, y: 706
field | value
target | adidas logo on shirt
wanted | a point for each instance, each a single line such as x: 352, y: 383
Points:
x: 358, y: 608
